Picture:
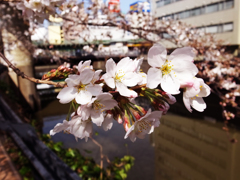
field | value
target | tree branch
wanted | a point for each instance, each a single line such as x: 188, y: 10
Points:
x: 20, y: 73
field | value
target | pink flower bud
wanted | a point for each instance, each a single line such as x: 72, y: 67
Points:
x: 135, y: 113
x: 119, y: 119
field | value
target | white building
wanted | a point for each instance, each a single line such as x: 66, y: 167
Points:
x: 214, y: 16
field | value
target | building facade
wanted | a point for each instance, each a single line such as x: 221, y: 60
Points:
x: 221, y: 17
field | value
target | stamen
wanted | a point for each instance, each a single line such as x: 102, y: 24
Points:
x: 98, y: 106
x: 166, y: 68
x: 80, y: 87
x: 119, y: 76
x: 144, y: 125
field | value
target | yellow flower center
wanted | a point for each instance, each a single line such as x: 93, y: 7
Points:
x: 119, y: 75
x: 36, y: 4
x: 81, y: 87
x: 197, y: 94
x: 98, y: 106
x: 143, y: 125
x: 166, y: 68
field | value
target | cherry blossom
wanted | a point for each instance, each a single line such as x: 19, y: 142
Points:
x: 60, y: 127
x: 84, y: 65
x: 195, y: 90
x: 121, y: 76
x: 169, y: 71
x: 79, y: 88
x: 145, y: 125
x: 80, y: 128
x: 95, y: 109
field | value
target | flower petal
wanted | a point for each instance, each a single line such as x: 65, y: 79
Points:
x: 107, y: 123
x: 130, y: 134
x: 184, y: 69
x: 186, y: 101
x: 109, y: 81
x: 86, y: 76
x: 97, y: 117
x: 59, y: 127
x: 83, y: 65
x: 157, y: 55
x: 106, y: 100
x: 155, y: 115
x: 154, y: 78
x: 205, y: 90
x: 83, y: 97
x: 96, y: 76
x: 170, y: 85
x: 111, y: 67
x: 84, y: 112
x: 73, y: 80
x: 185, y: 53
x: 130, y: 79
x: 126, y: 65
x: 95, y: 89
x: 124, y: 91
x: 198, y: 104
x: 67, y: 94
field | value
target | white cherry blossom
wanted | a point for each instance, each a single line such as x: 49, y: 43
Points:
x: 169, y: 71
x: 79, y: 88
x: 80, y: 128
x: 145, y: 125
x: 95, y: 109
x: 121, y: 76
x: 60, y: 127
x: 195, y: 90
x: 84, y: 65
x: 76, y: 126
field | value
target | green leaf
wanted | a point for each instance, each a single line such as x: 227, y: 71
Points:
x: 74, y: 167
x: 57, y: 147
x: 123, y: 174
x: 97, y: 169
x: 70, y: 153
x: 85, y: 168
x: 127, y: 167
x: 24, y: 170
x: 117, y: 176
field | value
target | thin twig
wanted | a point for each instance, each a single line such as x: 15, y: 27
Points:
x: 20, y: 73
x: 101, y: 155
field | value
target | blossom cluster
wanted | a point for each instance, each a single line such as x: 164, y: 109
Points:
x: 98, y: 99
x: 38, y: 10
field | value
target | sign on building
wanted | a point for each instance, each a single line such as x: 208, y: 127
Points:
x: 114, y: 6
x: 140, y: 6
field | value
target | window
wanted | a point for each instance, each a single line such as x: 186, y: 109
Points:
x: 161, y: 3
x: 212, y: 29
x: 220, y: 6
x: 228, y: 4
x: 167, y: 2
x: 218, y: 28
x: 195, y: 12
x: 228, y: 27
x: 211, y: 8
